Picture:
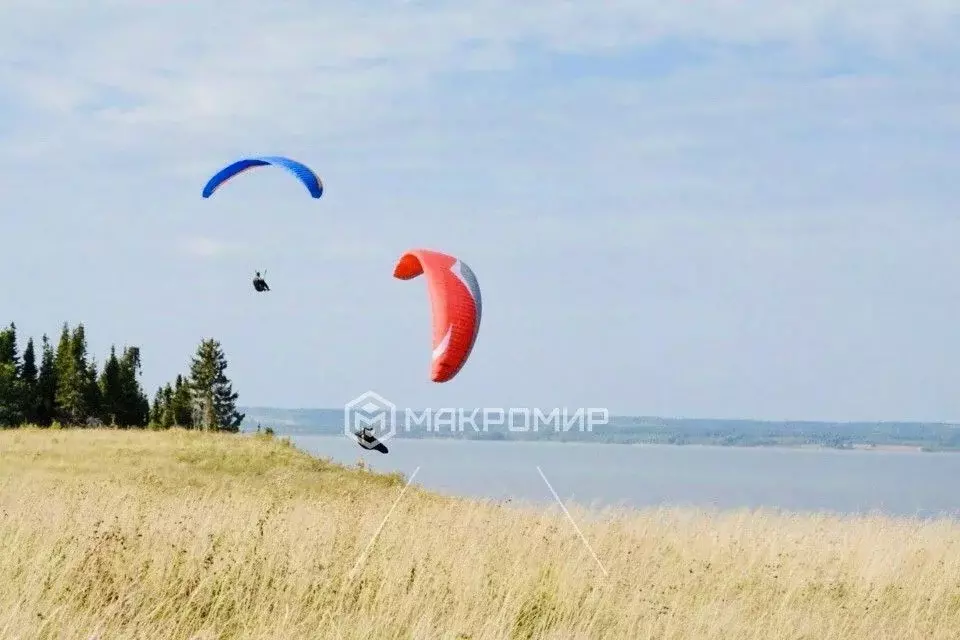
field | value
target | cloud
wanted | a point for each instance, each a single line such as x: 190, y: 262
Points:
x: 709, y: 171
x: 200, y: 71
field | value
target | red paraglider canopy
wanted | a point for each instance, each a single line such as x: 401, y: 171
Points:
x: 455, y: 303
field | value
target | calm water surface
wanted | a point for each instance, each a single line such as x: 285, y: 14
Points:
x: 899, y: 483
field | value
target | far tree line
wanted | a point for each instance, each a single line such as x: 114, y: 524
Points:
x: 63, y: 386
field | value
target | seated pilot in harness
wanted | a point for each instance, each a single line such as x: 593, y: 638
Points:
x: 259, y: 283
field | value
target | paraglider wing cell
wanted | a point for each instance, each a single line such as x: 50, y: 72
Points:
x: 455, y: 303
x: 303, y: 173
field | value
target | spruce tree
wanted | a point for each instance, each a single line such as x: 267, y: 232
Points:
x: 214, y: 401
x: 11, y: 389
x: 135, y: 407
x: 110, y: 389
x: 46, y: 385
x: 70, y: 392
x: 181, y: 404
x: 78, y: 347
x: 92, y: 399
x: 167, y: 418
x: 156, y: 408
x: 28, y: 377
x: 86, y: 372
x: 11, y: 396
x: 8, y: 348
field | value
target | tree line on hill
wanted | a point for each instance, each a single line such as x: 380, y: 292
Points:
x: 63, y: 386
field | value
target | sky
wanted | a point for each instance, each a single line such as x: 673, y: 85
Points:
x: 740, y: 209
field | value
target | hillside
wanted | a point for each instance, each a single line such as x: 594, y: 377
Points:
x: 183, y: 535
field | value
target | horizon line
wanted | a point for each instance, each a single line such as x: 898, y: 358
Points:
x: 944, y: 423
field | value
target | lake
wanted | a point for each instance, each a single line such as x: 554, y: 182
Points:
x: 895, y: 482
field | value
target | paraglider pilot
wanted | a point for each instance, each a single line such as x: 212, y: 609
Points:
x: 259, y: 283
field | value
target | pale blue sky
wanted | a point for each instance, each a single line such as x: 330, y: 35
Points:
x: 730, y: 209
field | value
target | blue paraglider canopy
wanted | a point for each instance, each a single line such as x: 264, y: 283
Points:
x: 306, y: 175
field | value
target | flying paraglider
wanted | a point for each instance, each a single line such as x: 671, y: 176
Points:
x: 301, y: 171
x: 260, y: 284
x: 456, y: 306
x: 367, y: 440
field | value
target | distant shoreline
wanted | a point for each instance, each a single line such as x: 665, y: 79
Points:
x: 927, y: 437
x: 880, y: 448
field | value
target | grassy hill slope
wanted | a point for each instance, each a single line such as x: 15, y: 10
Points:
x: 176, y: 535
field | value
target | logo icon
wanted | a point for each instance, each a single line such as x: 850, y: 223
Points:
x: 370, y: 412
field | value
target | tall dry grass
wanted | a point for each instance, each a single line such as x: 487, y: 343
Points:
x: 113, y: 534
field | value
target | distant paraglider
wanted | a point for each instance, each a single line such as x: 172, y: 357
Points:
x: 259, y: 283
x: 302, y: 172
x: 456, y: 304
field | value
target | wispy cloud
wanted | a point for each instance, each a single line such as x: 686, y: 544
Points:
x: 201, y: 72
x: 734, y: 181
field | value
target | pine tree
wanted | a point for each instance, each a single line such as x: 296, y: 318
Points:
x: 11, y: 396
x: 92, y: 398
x: 86, y: 375
x: 46, y: 385
x: 167, y: 418
x: 214, y: 401
x: 156, y: 408
x: 78, y: 347
x: 69, y: 396
x: 28, y: 378
x: 135, y: 407
x: 110, y: 389
x: 181, y: 405
x: 8, y: 348
x: 11, y: 388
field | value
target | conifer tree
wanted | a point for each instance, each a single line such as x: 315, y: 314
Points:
x: 78, y: 347
x: 28, y: 378
x: 92, y: 399
x: 11, y: 396
x: 156, y: 408
x: 11, y: 388
x: 86, y: 371
x: 135, y: 407
x: 214, y: 401
x: 181, y: 405
x: 110, y: 389
x: 46, y: 385
x: 166, y: 419
x: 70, y: 396
x: 8, y: 348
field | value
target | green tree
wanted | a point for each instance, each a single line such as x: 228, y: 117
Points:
x: 46, y: 385
x: 69, y: 396
x: 92, y: 398
x: 8, y: 348
x: 11, y: 387
x: 156, y: 407
x: 28, y: 378
x: 11, y: 396
x: 214, y: 401
x: 110, y: 389
x: 180, y: 404
x: 167, y: 418
x: 85, y: 372
x: 134, y: 404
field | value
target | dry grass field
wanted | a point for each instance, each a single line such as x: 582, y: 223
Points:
x: 175, y: 535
